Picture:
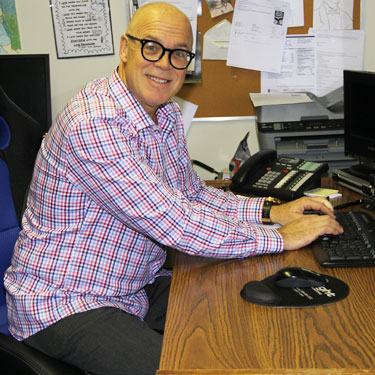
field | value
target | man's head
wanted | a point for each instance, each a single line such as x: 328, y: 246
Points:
x: 153, y: 83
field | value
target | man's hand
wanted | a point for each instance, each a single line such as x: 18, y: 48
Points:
x: 288, y: 212
x: 299, y: 230
x: 303, y: 231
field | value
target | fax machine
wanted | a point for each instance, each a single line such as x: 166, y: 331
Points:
x: 312, y: 130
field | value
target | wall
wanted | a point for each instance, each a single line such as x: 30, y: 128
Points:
x: 67, y: 75
x: 212, y: 142
x: 369, y: 26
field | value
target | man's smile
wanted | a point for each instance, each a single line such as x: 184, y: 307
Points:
x: 156, y: 79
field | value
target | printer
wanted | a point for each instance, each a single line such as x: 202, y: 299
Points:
x: 312, y: 130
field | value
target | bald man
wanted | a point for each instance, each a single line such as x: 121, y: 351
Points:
x: 113, y: 186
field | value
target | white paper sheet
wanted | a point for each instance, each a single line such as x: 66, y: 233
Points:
x: 188, y: 110
x: 333, y: 14
x: 297, y: 13
x: 298, y: 70
x: 278, y: 98
x: 258, y: 34
x: 82, y: 28
x: 337, y: 50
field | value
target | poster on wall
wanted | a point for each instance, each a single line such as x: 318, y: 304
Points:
x: 9, y: 34
x: 82, y: 28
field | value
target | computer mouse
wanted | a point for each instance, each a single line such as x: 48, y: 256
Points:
x: 313, y: 212
x: 297, y: 277
x: 260, y: 293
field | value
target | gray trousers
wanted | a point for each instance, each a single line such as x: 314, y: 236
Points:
x: 108, y: 341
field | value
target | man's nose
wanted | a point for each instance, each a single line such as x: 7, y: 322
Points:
x: 164, y: 62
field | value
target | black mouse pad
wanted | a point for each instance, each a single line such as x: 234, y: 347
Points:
x: 266, y: 293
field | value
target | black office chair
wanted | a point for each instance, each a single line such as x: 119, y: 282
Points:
x: 20, y: 138
x: 20, y: 154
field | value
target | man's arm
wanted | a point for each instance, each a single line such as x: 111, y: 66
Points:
x: 110, y: 171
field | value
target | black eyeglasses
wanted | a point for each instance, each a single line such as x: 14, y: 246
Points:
x: 153, y: 51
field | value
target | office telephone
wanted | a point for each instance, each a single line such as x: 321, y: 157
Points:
x: 265, y: 174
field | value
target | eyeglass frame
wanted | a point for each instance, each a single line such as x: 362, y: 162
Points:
x: 169, y: 50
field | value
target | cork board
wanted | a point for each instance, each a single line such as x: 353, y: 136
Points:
x: 224, y: 90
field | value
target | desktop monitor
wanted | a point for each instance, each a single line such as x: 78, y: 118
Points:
x: 26, y: 81
x: 359, y: 119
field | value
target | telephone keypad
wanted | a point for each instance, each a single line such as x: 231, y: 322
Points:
x: 265, y: 181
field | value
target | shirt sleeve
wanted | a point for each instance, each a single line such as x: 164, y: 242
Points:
x: 225, y: 203
x: 106, y: 166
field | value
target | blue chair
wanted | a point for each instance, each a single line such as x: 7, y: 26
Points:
x: 9, y: 227
x: 15, y: 356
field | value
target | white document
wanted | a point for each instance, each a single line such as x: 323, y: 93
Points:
x: 258, y: 34
x: 278, y: 98
x: 333, y: 14
x: 188, y: 110
x: 337, y: 50
x: 298, y: 70
x: 297, y: 13
x: 82, y: 28
x: 216, y: 41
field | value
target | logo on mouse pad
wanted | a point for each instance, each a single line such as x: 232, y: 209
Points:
x: 295, y: 287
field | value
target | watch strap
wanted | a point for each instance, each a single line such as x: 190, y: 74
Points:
x: 266, y: 212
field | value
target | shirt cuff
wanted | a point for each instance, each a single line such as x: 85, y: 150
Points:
x: 251, y: 209
x: 268, y: 239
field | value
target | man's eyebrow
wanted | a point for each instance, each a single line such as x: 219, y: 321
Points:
x: 156, y: 39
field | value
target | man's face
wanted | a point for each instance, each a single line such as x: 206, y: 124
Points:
x: 153, y: 83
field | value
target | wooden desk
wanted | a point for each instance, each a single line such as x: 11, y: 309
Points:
x: 211, y: 330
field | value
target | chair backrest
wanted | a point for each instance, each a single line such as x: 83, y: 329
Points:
x: 9, y: 228
x: 16, y: 357
x: 8, y: 237
x: 25, y: 139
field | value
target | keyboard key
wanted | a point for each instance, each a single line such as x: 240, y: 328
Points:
x: 355, y: 247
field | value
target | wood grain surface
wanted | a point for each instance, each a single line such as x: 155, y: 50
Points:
x: 211, y: 330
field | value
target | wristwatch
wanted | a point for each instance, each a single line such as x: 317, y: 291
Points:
x: 268, y: 203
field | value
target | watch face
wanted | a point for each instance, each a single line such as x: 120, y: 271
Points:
x: 272, y: 200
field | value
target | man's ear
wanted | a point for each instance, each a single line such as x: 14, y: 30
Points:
x: 124, y: 48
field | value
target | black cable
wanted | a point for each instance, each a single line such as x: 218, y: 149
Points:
x: 205, y: 166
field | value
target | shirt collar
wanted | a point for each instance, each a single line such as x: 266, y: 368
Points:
x: 166, y: 113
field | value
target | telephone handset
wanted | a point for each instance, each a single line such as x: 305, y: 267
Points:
x: 265, y: 174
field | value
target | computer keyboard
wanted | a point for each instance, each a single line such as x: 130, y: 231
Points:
x: 354, y: 248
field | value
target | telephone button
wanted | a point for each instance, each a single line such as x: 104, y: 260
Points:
x: 302, y: 179
x: 285, y: 179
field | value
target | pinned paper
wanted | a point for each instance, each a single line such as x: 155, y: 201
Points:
x: 219, y: 7
x: 216, y: 41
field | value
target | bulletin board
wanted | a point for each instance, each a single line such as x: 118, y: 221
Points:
x: 224, y: 90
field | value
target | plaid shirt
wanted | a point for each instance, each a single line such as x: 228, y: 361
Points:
x: 110, y: 190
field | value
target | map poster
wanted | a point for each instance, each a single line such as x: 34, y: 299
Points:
x: 9, y: 34
x: 82, y: 28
